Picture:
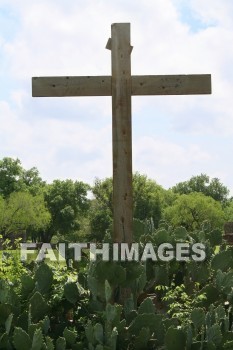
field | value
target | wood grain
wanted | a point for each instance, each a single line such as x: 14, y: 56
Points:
x: 122, y: 134
x: 102, y: 85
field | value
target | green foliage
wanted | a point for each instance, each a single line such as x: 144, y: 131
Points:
x: 180, y: 303
x: 28, y: 284
x: 101, y: 210
x: 38, y: 307
x: 67, y: 202
x: 214, y: 334
x: 147, y: 320
x: 142, y: 339
x: 100, y: 220
x: 61, y: 343
x: 114, y: 305
x: 146, y: 307
x: 21, y: 339
x: 71, y: 292
x: 198, y: 317
x: 175, y: 339
x: 70, y: 336
x: 44, y: 278
x: 37, y: 341
x: 11, y: 267
x: 148, y: 200
x: 55, y: 312
x: 202, y: 183
x: 228, y: 210
x: 108, y: 291
x: 31, y: 320
x: 191, y: 210
x: 22, y: 212
x: 223, y: 260
x: 13, y: 178
x: 215, y: 237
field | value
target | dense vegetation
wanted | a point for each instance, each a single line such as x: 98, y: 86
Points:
x: 63, y: 210
x: 113, y: 305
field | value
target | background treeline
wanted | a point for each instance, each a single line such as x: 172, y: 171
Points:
x: 72, y: 210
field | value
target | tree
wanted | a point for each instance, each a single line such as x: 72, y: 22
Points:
x: 32, y: 181
x: 191, y: 210
x: 148, y: 200
x: 101, y: 210
x: 229, y: 211
x: 22, y: 213
x: 14, y: 178
x: 100, y: 219
x: 103, y: 190
x: 202, y: 183
x: 10, y: 175
x: 67, y: 202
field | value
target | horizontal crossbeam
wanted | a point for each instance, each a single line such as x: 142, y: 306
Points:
x: 141, y: 85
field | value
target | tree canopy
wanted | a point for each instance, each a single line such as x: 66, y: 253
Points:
x: 148, y: 200
x: 191, y: 210
x: 202, y: 183
x: 63, y: 208
x: 14, y: 178
x: 23, y: 213
x: 67, y: 202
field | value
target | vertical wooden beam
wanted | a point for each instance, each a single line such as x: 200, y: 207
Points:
x: 121, y: 133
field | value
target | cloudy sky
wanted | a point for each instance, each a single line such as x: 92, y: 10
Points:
x: 174, y: 137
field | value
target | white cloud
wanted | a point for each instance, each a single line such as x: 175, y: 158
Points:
x: 214, y: 11
x: 167, y: 161
x: 68, y: 38
x: 42, y: 144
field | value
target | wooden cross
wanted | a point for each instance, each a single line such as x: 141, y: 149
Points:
x: 121, y: 86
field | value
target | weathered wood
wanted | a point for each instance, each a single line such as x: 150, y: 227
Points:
x: 71, y: 86
x: 171, y: 84
x: 141, y: 85
x: 122, y: 134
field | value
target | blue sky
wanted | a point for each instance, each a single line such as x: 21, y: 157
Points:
x: 174, y: 137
